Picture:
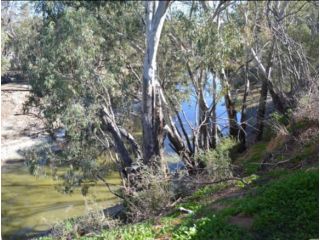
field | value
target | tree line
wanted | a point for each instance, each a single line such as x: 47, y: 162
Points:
x: 90, y: 64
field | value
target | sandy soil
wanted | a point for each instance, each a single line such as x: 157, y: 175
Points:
x: 18, y: 131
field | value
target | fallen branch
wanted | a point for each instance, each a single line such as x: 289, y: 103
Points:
x: 182, y: 209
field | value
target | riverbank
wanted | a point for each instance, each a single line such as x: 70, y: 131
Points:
x: 32, y: 204
x: 276, y: 197
x: 18, y: 130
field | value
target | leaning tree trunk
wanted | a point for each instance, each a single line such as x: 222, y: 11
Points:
x: 152, y: 115
x: 261, y: 110
x: 266, y: 85
x: 119, y: 135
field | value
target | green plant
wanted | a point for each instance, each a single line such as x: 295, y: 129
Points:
x: 93, y: 222
x: 208, y: 190
x: 218, y: 161
x: 213, y: 226
x: 246, y: 180
x: 286, y: 208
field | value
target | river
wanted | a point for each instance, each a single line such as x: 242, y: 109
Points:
x: 32, y: 204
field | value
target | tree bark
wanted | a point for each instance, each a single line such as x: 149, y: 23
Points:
x: 203, y: 120
x: 230, y: 106
x: 242, y: 134
x: 261, y: 110
x: 214, y: 129
x: 279, y: 102
x: 264, y: 91
x: 152, y: 115
x: 110, y: 126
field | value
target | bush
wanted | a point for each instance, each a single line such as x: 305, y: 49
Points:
x: 212, y: 227
x: 308, y: 105
x: 218, y: 161
x: 151, y: 194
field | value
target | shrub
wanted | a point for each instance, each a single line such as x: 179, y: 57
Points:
x: 218, y: 161
x: 308, y: 105
x: 149, y: 193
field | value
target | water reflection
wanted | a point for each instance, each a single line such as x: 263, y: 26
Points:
x: 33, y: 204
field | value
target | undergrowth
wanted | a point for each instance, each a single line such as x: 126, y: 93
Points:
x: 285, y: 208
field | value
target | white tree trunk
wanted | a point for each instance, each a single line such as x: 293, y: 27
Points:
x: 152, y: 115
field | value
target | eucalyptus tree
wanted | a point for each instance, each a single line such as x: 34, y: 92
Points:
x: 18, y: 29
x: 152, y: 116
x: 194, y: 39
x: 279, y: 53
x: 82, y: 81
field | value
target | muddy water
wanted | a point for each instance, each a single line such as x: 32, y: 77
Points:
x: 31, y: 204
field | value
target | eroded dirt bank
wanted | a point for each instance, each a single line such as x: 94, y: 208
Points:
x: 19, y: 131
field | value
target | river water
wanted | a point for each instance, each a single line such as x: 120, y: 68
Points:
x: 32, y: 204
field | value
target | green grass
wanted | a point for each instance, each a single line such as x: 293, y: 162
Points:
x: 284, y: 208
x: 208, y: 190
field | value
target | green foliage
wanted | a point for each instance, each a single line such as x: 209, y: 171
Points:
x: 278, y: 209
x: 135, y: 232
x: 150, y: 194
x: 208, y: 190
x: 246, y: 180
x: 212, y: 227
x: 5, y: 62
x: 218, y: 161
x: 141, y: 231
x: 93, y: 222
x: 76, y: 61
x: 18, y: 33
x: 301, y: 125
x: 285, y: 208
x: 280, y: 118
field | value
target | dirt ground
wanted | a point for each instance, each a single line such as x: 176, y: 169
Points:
x: 18, y: 131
